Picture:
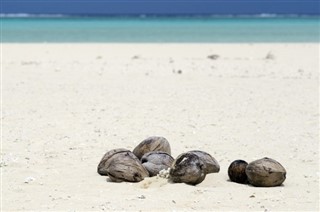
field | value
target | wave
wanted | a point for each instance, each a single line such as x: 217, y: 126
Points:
x: 28, y: 15
x: 143, y: 16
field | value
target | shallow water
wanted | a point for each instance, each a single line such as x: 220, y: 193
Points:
x: 160, y: 29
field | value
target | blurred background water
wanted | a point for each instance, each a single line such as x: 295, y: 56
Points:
x: 139, y: 29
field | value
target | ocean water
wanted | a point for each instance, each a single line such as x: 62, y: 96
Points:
x: 159, y: 29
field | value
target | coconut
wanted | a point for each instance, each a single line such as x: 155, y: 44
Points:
x: 187, y: 168
x: 237, y: 171
x: 122, y: 165
x: 265, y: 172
x: 152, y: 144
x: 156, y: 161
x: 104, y: 162
x: 211, y: 165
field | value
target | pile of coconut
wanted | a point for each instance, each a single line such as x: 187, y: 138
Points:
x: 152, y: 157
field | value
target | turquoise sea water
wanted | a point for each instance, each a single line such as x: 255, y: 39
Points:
x: 159, y: 29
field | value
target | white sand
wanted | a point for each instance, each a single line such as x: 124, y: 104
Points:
x: 65, y: 105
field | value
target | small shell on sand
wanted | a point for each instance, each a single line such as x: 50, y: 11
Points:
x: 237, y: 171
x: 265, y: 172
x: 156, y: 161
x: 187, y: 168
x: 211, y: 165
x: 123, y: 166
x: 152, y: 144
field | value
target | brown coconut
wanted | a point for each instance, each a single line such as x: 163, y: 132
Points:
x: 124, y: 166
x: 187, y: 168
x: 265, y: 172
x: 152, y: 144
x: 104, y: 162
x: 211, y: 165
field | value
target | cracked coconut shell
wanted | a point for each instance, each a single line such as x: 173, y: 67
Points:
x: 187, y: 168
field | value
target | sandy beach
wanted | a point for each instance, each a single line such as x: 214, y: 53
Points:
x: 65, y: 105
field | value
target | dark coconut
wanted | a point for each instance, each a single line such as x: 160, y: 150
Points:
x: 187, y: 168
x: 237, y: 171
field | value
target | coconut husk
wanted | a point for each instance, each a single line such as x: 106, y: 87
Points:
x: 187, y: 168
x: 156, y: 161
x: 211, y: 165
x: 152, y: 144
x: 265, y: 172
